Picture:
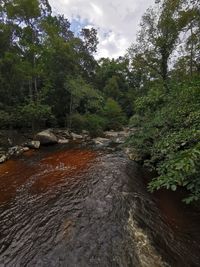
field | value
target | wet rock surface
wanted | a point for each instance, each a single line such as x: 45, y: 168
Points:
x: 82, y: 208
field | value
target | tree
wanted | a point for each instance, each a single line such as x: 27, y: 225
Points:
x: 159, y: 35
x: 83, y: 98
x: 166, y: 139
x: 114, y: 114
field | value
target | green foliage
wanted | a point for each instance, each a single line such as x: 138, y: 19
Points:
x: 78, y: 122
x: 169, y: 132
x: 35, y: 114
x: 4, y: 119
x: 112, y: 88
x: 152, y: 101
x: 93, y: 123
x: 114, y: 114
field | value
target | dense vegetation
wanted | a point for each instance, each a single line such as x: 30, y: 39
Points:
x: 50, y: 78
x: 167, y: 113
x: 48, y: 74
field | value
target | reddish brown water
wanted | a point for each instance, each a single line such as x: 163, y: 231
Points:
x: 48, y: 170
x: 78, y: 207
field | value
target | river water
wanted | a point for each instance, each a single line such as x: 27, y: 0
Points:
x: 79, y: 207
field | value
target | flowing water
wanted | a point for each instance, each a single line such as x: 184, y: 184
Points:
x: 78, y: 207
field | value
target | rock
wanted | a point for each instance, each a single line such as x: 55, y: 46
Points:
x: 101, y: 142
x: 63, y: 141
x: 3, y: 158
x: 76, y: 136
x: 25, y: 149
x: 110, y: 134
x: 19, y: 151
x: 2, y: 151
x: 13, y: 150
x: 33, y: 144
x: 119, y: 140
x: 85, y: 132
x: 124, y: 134
x: 46, y: 138
x: 117, y: 137
x: 135, y: 155
x: 62, y: 134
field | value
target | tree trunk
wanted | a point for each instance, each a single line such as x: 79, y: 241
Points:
x: 30, y: 90
x: 70, y: 112
x: 164, y: 70
x: 191, y: 51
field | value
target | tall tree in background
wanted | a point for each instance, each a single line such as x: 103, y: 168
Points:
x: 159, y: 36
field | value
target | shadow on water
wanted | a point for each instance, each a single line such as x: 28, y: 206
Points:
x: 78, y: 207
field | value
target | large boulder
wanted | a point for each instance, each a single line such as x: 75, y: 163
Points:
x: 46, y: 138
x: 62, y: 133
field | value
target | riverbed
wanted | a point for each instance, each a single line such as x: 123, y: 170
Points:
x: 75, y: 206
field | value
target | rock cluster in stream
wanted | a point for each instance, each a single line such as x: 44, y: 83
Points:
x: 64, y: 136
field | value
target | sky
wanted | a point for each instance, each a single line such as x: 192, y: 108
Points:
x: 116, y: 21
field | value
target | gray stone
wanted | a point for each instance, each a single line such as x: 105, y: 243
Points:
x: 85, y: 132
x: 3, y: 158
x: 63, y: 141
x: 13, y: 150
x: 33, y: 144
x: 110, y: 134
x: 46, y: 137
x: 25, y: 149
x: 101, y: 142
x: 76, y: 136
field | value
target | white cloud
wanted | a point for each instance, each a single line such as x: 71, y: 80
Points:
x: 116, y: 20
x: 97, y: 9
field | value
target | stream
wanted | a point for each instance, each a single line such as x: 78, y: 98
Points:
x: 75, y: 206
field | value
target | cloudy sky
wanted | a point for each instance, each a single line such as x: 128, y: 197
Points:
x: 116, y: 21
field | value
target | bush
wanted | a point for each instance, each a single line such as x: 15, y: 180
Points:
x: 5, y: 118
x: 93, y: 123
x: 34, y: 114
x: 78, y: 122
x: 114, y: 115
x: 169, y: 132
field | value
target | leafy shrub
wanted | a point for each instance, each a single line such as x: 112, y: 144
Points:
x: 34, y: 114
x: 114, y: 115
x: 95, y: 124
x: 169, y: 132
x: 5, y: 118
x: 78, y: 122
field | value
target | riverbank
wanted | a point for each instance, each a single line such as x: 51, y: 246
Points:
x: 13, y: 143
